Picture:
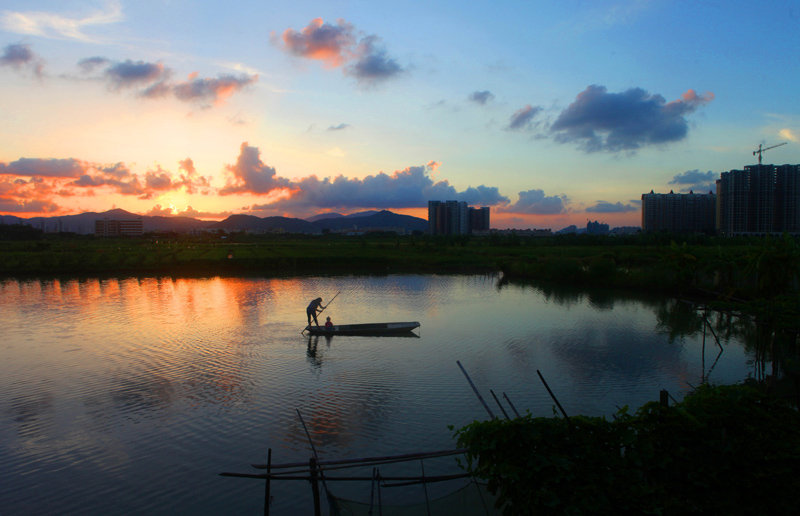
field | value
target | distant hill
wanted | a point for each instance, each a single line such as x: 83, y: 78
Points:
x: 264, y: 225
x: 323, y: 216
x: 363, y: 221
x: 373, y: 221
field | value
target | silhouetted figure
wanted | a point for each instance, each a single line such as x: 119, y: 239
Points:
x: 328, y: 324
x: 314, y: 307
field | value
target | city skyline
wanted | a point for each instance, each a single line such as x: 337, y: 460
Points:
x: 550, y: 115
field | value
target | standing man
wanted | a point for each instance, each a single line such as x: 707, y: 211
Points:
x: 314, y: 307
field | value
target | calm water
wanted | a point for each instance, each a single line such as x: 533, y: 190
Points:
x: 130, y: 396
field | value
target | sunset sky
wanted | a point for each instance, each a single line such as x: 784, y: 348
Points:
x: 551, y: 113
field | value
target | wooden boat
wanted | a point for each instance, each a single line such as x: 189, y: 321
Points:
x: 371, y: 329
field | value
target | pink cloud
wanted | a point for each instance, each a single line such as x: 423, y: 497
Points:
x: 338, y: 45
x: 322, y: 41
x: 191, y: 180
x: 251, y: 175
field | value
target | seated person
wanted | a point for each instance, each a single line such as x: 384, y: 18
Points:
x: 328, y: 324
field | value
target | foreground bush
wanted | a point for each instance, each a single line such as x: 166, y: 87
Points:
x: 723, y: 450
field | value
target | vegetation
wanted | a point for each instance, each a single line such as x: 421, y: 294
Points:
x: 728, y: 268
x: 757, y: 275
x: 722, y: 450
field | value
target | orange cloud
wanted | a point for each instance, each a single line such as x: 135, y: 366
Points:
x: 321, y: 41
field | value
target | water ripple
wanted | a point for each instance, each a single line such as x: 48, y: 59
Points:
x: 131, y: 395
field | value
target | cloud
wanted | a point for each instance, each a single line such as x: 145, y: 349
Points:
x: 372, y: 63
x: 696, y: 181
x: 522, y: 119
x: 251, y: 175
x: 88, y: 64
x: 191, y: 212
x: 16, y: 55
x: 212, y: 90
x: 602, y: 121
x: 103, y: 178
x: 191, y: 180
x: 30, y: 167
x: 29, y: 178
x: 27, y: 193
x: 158, y: 211
x: 20, y: 56
x: 411, y: 187
x: 407, y: 188
x: 24, y: 206
x: 607, y: 207
x: 481, y: 97
x: 57, y: 26
x: 129, y: 73
x: 321, y: 41
x: 154, y: 81
x: 482, y: 195
x: 788, y: 134
x: 158, y: 180
x: 339, y: 127
x: 339, y: 46
x: 536, y: 202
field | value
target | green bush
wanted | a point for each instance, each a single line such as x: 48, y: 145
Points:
x: 723, y: 450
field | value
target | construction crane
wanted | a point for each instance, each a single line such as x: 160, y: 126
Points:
x: 760, y: 150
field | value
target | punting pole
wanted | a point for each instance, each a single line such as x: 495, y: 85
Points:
x: 323, y: 309
x: 478, y: 394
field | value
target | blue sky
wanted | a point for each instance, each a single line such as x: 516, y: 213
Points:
x: 551, y: 113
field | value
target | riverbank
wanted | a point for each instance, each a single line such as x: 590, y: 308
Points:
x: 722, y: 268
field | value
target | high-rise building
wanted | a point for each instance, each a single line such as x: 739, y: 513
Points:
x: 115, y: 228
x: 678, y: 213
x: 787, y: 198
x: 456, y: 218
x: 596, y: 228
x: 478, y: 219
x: 761, y: 199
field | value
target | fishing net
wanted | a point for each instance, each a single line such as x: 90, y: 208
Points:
x: 472, y: 499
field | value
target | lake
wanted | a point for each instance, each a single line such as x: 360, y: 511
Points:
x: 132, y: 395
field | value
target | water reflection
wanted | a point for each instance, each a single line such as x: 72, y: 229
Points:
x: 135, y: 392
x: 314, y: 356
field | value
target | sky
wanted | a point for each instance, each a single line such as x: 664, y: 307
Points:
x: 550, y: 113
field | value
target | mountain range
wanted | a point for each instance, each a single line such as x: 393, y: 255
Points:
x: 364, y: 221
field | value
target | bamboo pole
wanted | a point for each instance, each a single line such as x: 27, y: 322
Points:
x: 478, y: 394
x: 377, y: 459
x: 499, y: 405
x: 307, y: 477
x: 552, y: 395
x: 312, y: 466
x: 313, y: 448
x: 511, y: 404
x: 267, y: 487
